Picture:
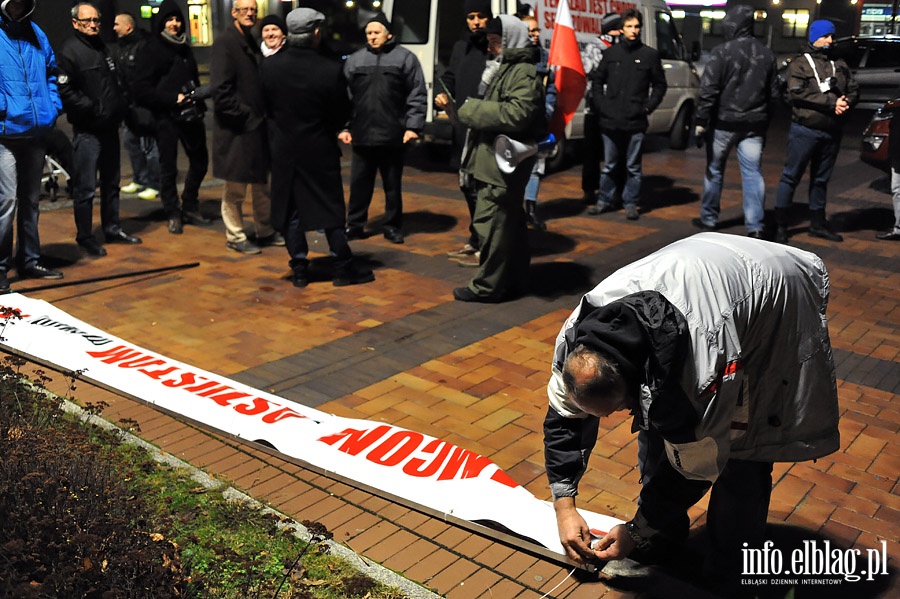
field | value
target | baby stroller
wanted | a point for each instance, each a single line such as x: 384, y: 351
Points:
x: 57, y: 162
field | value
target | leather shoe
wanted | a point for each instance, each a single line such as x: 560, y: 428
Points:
x: 176, y: 227
x: 464, y: 294
x: 393, y: 234
x: 191, y: 217
x: 355, y: 233
x: 888, y: 236
x: 4, y: 284
x: 92, y: 247
x: 631, y: 213
x: 703, y: 226
x: 122, y: 237
x: 824, y: 232
x: 36, y: 271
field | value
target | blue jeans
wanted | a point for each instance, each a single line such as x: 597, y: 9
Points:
x: 616, y: 146
x: 749, y: 152
x: 819, y: 150
x: 21, y: 166
x: 96, y: 152
x: 144, y: 155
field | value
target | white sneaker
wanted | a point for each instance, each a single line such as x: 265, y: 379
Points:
x: 131, y: 188
x: 148, y: 194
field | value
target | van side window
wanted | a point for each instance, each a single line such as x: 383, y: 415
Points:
x: 668, y: 41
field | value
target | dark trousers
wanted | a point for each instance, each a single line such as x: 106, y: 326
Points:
x: 593, y: 153
x: 813, y: 147
x: 192, y: 136
x: 21, y: 164
x: 367, y: 160
x: 503, y: 235
x: 96, y: 152
x: 738, y: 505
x: 298, y: 248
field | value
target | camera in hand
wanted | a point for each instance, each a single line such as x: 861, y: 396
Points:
x: 192, y: 108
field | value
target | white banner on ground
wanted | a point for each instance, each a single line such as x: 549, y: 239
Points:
x: 423, y: 470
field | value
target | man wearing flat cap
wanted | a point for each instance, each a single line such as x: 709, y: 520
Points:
x: 387, y: 88
x: 306, y: 107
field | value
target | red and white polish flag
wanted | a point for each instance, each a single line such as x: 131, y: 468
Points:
x: 570, y: 78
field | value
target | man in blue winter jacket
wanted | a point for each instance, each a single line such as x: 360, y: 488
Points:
x: 29, y: 105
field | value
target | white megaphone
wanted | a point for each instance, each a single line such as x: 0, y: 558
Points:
x: 509, y: 153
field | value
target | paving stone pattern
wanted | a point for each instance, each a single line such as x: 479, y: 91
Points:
x: 400, y: 350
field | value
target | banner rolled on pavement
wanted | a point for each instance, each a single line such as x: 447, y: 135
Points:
x: 437, y: 475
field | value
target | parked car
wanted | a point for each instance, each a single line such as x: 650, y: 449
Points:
x: 876, y: 137
x: 875, y: 63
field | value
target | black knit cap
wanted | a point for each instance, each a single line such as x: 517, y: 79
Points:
x: 494, y: 26
x: 611, y: 21
x: 479, y: 6
x: 380, y: 18
x: 273, y: 20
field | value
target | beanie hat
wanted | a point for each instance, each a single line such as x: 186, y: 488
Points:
x: 820, y: 28
x: 611, y: 21
x: 273, y: 20
x: 494, y: 26
x: 479, y: 6
x: 380, y: 18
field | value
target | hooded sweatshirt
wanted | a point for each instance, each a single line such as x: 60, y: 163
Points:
x: 513, y: 105
x: 739, y: 86
x: 29, y: 98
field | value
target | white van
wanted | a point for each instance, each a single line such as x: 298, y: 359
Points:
x: 429, y: 28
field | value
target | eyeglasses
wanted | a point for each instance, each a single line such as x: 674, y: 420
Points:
x: 247, y: 9
x: 92, y: 20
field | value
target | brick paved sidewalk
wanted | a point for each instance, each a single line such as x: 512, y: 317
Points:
x: 402, y: 351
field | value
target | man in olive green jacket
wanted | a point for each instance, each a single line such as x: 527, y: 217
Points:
x: 512, y: 105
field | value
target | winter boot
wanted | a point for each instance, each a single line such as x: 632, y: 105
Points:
x: 300, y: 274
x: 781, y: 224
x: 819, y: 227
x: 533, y: 219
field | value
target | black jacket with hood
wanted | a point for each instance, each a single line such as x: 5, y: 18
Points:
x: 739, y: 86
x: 89, y: 84
x: 165, y: 68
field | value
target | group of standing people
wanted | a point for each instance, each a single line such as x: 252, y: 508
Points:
x: 739, y: 91
x: 150, y: 81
